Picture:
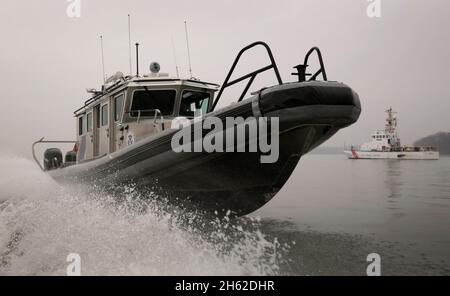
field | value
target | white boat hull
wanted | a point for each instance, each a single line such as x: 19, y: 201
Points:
x: 426, y: 155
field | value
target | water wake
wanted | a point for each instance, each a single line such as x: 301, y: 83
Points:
x: 128, y: 233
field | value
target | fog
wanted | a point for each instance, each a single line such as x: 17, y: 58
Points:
x: 48, y: 59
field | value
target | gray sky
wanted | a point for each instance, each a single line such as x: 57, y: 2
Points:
x: 48, y: 59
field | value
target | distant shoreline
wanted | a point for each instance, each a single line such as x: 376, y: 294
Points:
x: 440, y: 140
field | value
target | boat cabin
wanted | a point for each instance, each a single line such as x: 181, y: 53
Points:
x: 382, y: 141
x: 128, y: 109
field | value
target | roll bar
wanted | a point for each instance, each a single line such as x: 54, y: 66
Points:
x: 251, y: 75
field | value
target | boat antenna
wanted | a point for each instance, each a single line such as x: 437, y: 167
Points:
x: 103, y: 58
x: 137, y: 59
x: 129, y: 43
x: 187, y: 45
x: 175, y: 58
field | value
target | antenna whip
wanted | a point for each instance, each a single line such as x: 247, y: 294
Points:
x: 129, y: 43
x: 187, y: 44
x: 103, y: 58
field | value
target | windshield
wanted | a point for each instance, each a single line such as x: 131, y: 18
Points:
x: 147, y: 101
x: 194, y: 103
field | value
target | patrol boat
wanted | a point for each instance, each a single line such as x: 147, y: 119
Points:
x: 124, y: 134
x: 385, y: 144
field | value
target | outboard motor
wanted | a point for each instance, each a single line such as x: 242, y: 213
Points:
x: 71, y: 158
x: 52, y: 159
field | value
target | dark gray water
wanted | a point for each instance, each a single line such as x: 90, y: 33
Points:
x: 332, y: 213
x: 342, y: 209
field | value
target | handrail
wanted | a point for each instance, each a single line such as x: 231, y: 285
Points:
x: 301, y: 69
x: 157, y: 111
x: 41, y: 141
x: 251, y: 75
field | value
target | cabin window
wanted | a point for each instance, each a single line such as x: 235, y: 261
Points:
x: 97, y: 116
x: 104, y: 115
x: 80, y: 125
x: 118, y: 107
x: 147, y: 101
x: 194, y: 103
x: 89, y: 122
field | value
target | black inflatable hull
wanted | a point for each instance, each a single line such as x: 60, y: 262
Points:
x: 309, y: 113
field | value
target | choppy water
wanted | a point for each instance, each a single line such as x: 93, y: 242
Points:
x: 330, y: 216
x: 42, y: 222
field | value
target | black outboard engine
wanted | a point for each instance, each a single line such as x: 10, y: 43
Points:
x: 71, y: 158
x: 52, y: 159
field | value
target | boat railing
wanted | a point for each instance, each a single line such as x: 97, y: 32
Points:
x: 42, y: 141
x: 430, y: 148
x: 301, y: 69
x: 251, y: 76
x: 155, y: 117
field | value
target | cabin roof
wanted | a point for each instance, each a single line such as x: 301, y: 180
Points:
x: 141, y: 81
